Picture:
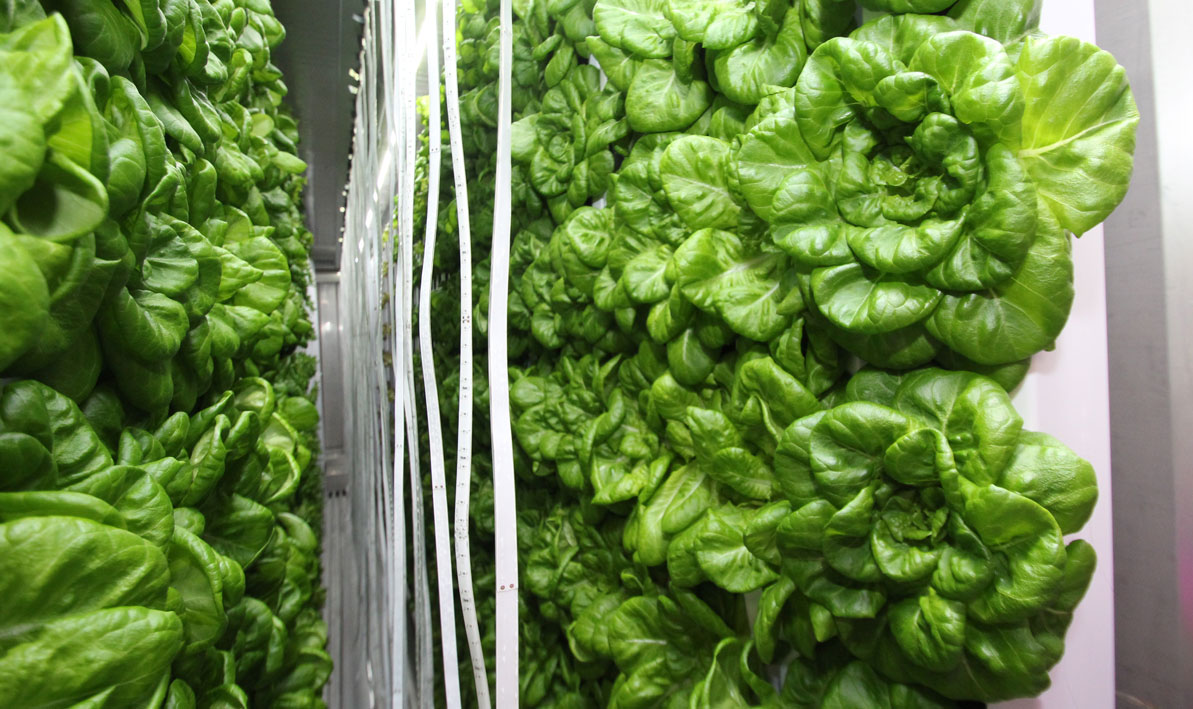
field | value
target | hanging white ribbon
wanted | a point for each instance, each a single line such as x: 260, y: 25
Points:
x: 403, y: 347
x: 388, y: 139
x: 464, y: 425
x: 443, y: 556
x: 375, y: 500
x: 504, y: 502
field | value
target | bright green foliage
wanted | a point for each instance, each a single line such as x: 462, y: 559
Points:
x: 565, y: 145
x: 915, y: 520
x: 915, y: 526
x: 745, y: 71
x: 194, y: 504
x: 132, y: 239
x: 920, y: 168
x: 782, y: 190
x: 661, y: 99
x: 153, y: 269
x: 91, y: 595
x: 834, y: 680
x: 637, y: 26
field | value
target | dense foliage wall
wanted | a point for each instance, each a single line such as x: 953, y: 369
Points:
x: 160, y: 505
x: 774, y: 275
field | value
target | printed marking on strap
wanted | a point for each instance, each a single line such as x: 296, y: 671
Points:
x: 443, y: 552
x: 365, y: 287
x: 504, y: 502
x: 403, y: 304
x: 464, y: 425
x: 385, y: 187
x: 385, y: 509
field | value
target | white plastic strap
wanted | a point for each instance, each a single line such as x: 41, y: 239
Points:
x: 389, y: 524
x: 350, y: 311
x: 443, y: 553
x: 602, y: 79
x: 363, y: 289
x: 464, y: 426
x: 506, y: 523
x: 382, y: 199
x: 408, y: 63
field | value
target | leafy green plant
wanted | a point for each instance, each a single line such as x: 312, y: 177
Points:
x: 794, y: 190
x: 565, y: 144
x: 154, y: 270
x: 915, y: 179
x: 80, y: 589
x: 923, y: 520
x: 785, y: 192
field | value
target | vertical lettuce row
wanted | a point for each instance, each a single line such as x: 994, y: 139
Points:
x: 789, y: 193
x: 154, y: 267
